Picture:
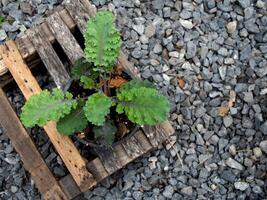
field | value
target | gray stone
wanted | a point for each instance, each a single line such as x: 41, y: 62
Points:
x: 186, y: 23
x: 191, y: 50
x: 150, y: 30
x: 186, y: 14
x: 137, y: 195
x: 187, y: 190
x: 228, y: 121
x: 157, y: 49
x: 257, y: 189
x: 244, y: 3
x: 222, y: 143
x: 245, y: 53
x: 263, y: 128
x: 251, y: 26
x: 249, y: 12
x: 16, y: 14
x: 3, y: 35
x: 257, y: 152
x: 223, y: 51
x: 248, y: 97
x: 241, y: 185
x: 14, y: 189
x: 263, y: 146
x: 234, y: 164
x: 228, y: 175
x: 168, y: 192
x: 139, y: 28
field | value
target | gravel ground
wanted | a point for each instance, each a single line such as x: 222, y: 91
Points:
x: 209, y: 57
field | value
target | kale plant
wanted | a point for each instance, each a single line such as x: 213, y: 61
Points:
x: 137, y: 99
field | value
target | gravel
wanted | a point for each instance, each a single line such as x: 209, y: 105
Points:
x: 195, y: 52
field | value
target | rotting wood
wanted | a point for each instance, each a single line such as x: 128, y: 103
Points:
x: 27, y: 49
x: 109, y: 159
x: 48, y: 55
x: 78, y: 12
x: 89, y: 7
x: 31, y: 158
x: 133, y: 147
x: 65, y: 38
x: 98, y: 170
x: 159, y: 133
x: 64, y: 146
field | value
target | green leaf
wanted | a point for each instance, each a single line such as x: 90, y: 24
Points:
x: 102, y: 40
x: 106, y: 132
x: 47, y: 106
x: 144, y: 106
x: 87, y: 82
x: 97, y: 107
x: 73, y: 122
x: 82, y: 68
x: 136, y: 84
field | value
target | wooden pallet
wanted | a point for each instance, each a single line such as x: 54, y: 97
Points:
x: 17, y: 58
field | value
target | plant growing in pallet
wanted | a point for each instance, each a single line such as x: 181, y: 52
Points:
x: 106, y: 93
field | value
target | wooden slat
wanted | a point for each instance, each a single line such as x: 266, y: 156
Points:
x: 109, y: 159
x: 25, y: 47
x: 69, y: 186
x: 133, y: 147
x: 89, y: 7
x: 98, y: 170
x: 65, y: 37
x: 159, y: 133
x: 127, y: 66
x: 78, y: 12
x: 48, y: 55
x: 64, y: 146
x: 30, y: 156
x: 28, y: 51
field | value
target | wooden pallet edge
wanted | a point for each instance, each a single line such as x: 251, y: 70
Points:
x: 26, y: 47
x: 31, y: 158
x: 64, y: 146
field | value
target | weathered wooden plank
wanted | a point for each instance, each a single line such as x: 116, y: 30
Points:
x: 98, y: 170
x: 127, y: 66
x: 78, y: 12
x: 109, y: 159
x: 65, y: 37
x: 91, y: 9
x: 132, y: 147
x: 64, y: 146
x: 159, y: 133
x: 31, y: 158
x: 48, y: 55
x: 25, y: 47
x: 28, y: 51
x: 69, y: 186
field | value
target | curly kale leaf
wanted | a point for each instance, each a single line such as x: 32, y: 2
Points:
x: 96, y: 108
x: 83, y: 68
x: 144, y: 106
x: 102, y: 41
x: 106, y: 132
x: 73, y: 122
x: 136, y: 84
x: 47, y: 106
x: 87, y: 82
